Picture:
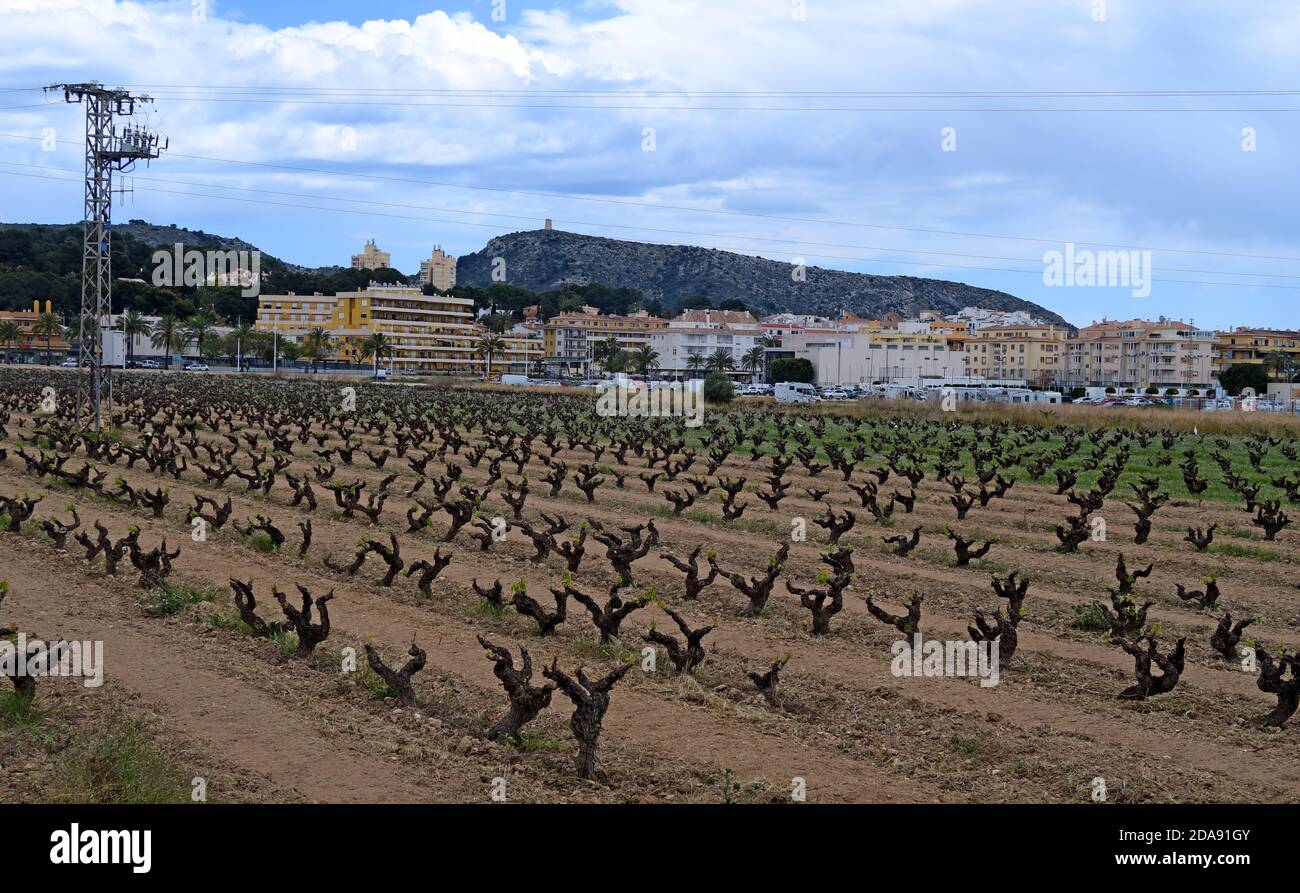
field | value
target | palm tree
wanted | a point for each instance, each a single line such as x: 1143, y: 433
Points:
x: 240, y: 341
x: 10, y: 333
x: 198, y: 328
x: 168, y: 337
x: 488, y: 347
x: 376, y: 346
x: 1277, y: 362
x: 604, y: 352
x: 695, y: 362
x: 316, y: 344
x: 47, y: 325
x: 133, y: 325
x: 721, y: 360
x: 644, y: 359
x: 752, y: 361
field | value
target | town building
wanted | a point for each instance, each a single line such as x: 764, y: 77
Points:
x: 689, y: 342
x: 1032, y: 353
x: 1269, y: 347
x: 439, y: 270
x: 1140, y: 354
x: 29, y: 346
x: 428, y: 333
x: 571, y: 339
x: 371, y: 258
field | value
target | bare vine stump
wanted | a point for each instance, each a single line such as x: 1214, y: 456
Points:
x: 400, y: 680
x: 526, y: 700
x: 590, y: 702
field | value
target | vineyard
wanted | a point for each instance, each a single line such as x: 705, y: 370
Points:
x: 341, y: 592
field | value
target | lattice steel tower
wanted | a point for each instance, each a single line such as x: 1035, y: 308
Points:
x: 108, y: 149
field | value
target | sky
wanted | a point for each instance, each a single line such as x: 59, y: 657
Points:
x: 970, y: 140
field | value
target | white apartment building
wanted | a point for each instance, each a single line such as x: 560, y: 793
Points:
x: 977, y: 318
x: 703, y: 333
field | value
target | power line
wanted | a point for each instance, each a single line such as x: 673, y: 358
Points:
x: 714, y: 93
x: 720, y: 212
x: 695, y: 210
x: 344, y: 100
x: 1035, y: 272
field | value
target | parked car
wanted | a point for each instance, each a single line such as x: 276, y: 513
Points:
x: 381, y: 373
x: 196, y: 367
x: 69, y: 363
x: 834, y: 394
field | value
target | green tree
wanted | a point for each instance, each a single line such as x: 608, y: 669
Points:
x: 617, y: 361
x: 602, y: 352
x: 1244, y: 375
x: 199, y: 328
x: 134, y: 325
x: 47, y: 325
x: 718, y: 388
x: 793, y: 369
x: 239, y: 343
x: 489, y: 346
x: 644, y: 359
x: 1279, y: 364
x: 376, y: 345
x: 168, y: 336
x: 695, y: 362
x: 316, y: 345
x: 721, y: 360
x: 752, y: 361
x: 10, y: 334
x: 498, y: 322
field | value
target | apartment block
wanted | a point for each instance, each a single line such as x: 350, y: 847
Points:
x: 570, y: 338
x: 371, y: 258
x: 1246, y: 345
x: 429, y: 333
x: 439, y: 270
x: 1140, y: 354
x: 701, y: 334
x: 1035, y: 354
x: 30, y: 347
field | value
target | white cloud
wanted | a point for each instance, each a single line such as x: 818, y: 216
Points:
x: 1142, y: 179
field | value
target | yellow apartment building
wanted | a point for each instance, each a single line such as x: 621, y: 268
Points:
x: 1033, y: 353
x: 571, y: 338
x: 1243, y: 345
x: 429, y: 333
x: 30, y: 347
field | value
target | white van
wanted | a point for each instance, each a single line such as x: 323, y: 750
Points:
x: 796, y: 392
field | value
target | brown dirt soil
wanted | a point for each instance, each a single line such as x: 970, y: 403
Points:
x: 262, y: 726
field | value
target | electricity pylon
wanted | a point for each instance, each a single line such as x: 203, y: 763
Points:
x: 108, y: 149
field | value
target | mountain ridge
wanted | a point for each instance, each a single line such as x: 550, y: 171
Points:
x: 543, y: 260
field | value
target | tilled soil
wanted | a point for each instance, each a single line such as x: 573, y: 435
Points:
x: 263, y: 726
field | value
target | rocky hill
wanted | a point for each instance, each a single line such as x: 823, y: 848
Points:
x: 541, y: 260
